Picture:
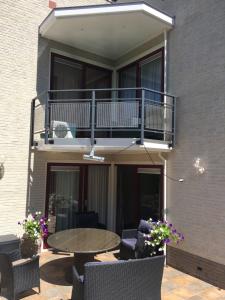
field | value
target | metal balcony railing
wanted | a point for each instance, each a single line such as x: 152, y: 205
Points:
x: 103, y: 113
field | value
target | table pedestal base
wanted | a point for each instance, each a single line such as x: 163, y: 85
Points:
x: 80, y: 259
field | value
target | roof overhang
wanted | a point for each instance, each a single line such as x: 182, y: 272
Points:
x: 107, y: 30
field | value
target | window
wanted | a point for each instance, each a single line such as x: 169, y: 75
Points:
x: 67, y: 73
x: 146, y: 72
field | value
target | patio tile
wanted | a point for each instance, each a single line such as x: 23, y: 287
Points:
x: 184, y: 292
x: 196, y: 297
x: 176, y: 285
x: 213, y: 293
x: 171, y: 297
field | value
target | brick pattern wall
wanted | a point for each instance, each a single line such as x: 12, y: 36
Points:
x: 19, y: 21
x: 18, y: 56
x: 196, y: 75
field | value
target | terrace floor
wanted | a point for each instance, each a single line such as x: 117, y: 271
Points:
x: 176, y: 285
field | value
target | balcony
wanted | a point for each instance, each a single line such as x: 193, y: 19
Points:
x: 110, y: 119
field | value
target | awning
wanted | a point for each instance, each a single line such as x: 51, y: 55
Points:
x: 107, y: 30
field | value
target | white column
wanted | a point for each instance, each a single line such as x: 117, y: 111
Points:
x: 111, y: 212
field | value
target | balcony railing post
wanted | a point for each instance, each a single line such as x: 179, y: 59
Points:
x: 174, y: 122
x: 142, y: 115
x: 93, y: 118
x: 47, y: 121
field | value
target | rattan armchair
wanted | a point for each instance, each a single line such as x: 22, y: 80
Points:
x: 18, y: 276
x: 131, y: 245
x: 136, y: 279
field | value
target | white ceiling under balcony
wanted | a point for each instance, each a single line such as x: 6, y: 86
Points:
x: 106, y: 30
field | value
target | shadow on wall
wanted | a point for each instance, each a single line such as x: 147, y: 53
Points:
x: 36, y: 188
x: 35, y: 184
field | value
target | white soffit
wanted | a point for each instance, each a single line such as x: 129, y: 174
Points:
x: 107, y: 30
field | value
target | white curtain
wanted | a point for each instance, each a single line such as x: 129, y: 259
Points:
x: 128, y: 80
x: 98, y: 191
x: 151, y: 76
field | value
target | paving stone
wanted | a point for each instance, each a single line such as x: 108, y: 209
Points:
x: 176, y: 285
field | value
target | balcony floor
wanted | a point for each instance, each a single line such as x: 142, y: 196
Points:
x: 176, y: 285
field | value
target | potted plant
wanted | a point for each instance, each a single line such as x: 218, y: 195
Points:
x: 161, y: 234
x: 35, y: 229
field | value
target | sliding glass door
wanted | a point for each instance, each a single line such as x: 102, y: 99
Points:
x: 63, y: 198
x: 75, y: 189
x: 151, y: 75
x: 128, y: 79
x: 139, y: 195
x: 146, y: 72
x: 67, y: 73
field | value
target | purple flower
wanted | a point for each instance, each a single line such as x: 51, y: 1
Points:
x: 170, y: 225
x: 174, y: 231
x: 167, y: 241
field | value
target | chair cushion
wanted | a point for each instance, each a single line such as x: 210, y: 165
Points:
x: 129, y: 243
x: 142, y: 250
x: 144, y: 227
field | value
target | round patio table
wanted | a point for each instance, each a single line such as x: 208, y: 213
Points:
x: 85, y: 243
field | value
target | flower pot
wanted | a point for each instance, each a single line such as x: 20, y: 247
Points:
x: 30, y: 247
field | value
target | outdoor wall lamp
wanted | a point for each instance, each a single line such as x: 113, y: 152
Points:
x: 198, y: 165
x: 2, y: 169
x: 93, y: 157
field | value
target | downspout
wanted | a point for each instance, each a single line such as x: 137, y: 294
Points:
x: 165, y: 100
x: 164, y: 185
x: 165, y: 80
x: 164, y: 191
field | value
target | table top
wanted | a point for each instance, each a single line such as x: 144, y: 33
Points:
x: 84, y: 240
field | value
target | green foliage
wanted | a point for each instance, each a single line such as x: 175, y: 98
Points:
x: 161, y: 234
x: 35, y: 226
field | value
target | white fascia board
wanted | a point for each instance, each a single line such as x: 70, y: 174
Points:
x: 108, y: 9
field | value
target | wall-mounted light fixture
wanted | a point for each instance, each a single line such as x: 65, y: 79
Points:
x: 93, y: 157
x: 199, y: 166
x: 2, y: 168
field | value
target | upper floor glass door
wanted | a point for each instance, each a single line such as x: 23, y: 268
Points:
x: 146, y: 72
x: 67, y: 73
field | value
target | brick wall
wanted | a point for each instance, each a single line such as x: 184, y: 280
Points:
x: 19, y: 21
x: 18, y: 56
x: 197, y: 75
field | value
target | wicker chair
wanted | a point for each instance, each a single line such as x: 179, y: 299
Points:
x: 138, y: 279
x: 18, y: 276
x: 87, y: 220
x: 131, y: 241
